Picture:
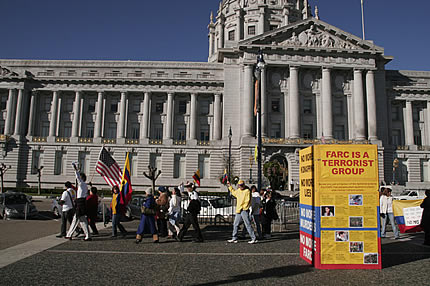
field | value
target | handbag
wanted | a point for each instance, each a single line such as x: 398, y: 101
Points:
x: 147, y: 211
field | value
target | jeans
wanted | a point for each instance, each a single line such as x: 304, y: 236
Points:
x: 390, y: 216
x: 257, y: 221
x: 243, y: 215
x: 116, y: 218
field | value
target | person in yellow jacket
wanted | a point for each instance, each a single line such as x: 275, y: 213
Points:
x: 243, y: 203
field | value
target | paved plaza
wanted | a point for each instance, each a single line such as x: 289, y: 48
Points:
x: 51, y: 261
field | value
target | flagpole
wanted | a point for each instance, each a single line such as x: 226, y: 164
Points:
x: 362, y: 19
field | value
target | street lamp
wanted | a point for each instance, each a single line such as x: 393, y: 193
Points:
x: 230, y: 134
x: 39, y: 174
x: 258, y: 70
x: 3, y: 169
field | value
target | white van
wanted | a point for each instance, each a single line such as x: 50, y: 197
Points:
x: 411, y: 195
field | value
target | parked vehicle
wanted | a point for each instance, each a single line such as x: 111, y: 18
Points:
x: 410, y: 195
x: 214, y: 206
x: 56, y: 208
x: 133, y: 208
x: 16, y: 205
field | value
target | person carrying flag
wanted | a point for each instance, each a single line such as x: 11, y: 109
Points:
x: 118, y: 211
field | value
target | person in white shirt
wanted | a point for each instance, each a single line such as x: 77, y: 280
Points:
x: 80, y: 215
x: 68, y: 207
x: 174, y: 213
x: 386, y: 211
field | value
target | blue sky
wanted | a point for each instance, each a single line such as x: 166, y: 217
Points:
x: 176, y: 30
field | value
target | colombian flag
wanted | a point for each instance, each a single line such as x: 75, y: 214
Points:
x: 224, y: 177
x: 196, y: 177
x: 407, y: 214
x: 126, y: 189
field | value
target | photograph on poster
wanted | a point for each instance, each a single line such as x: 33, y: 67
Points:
x: 342, y: 235
x: 356, y: 246
x: 327, y: 211
x: 355, y: 221
x: 370, y: 258
x: 355, y: 200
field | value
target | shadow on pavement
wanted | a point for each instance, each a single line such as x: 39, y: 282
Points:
x: 399, y: 252
x: 276, y: 272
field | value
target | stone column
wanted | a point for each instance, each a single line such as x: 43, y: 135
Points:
x: 122, y: 115
x: 326, y: 98
x: 294, y: 103
x: 248, y: 101
x: 19, y: 112
x: 371, y: 105
x: 264, y: 113
x: 32, y: 114
x: 170, y: 111
x: 286, y: 115
x: 54, y: 115
x: 261, y: 21
x: 145, y: 116
x: 359, y: 120
x: 76, y: 114
x: 9, y: 113
x: 217, y: 117
x: 409, y: 124
x: 193, y: 117
x: 99, y: 116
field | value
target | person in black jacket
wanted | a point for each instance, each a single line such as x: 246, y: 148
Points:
x: 191, y: 216
x: 425, y: 221
x: 268, y: 213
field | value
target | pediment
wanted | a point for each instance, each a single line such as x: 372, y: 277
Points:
x: 311, y: 34
x: 5, y: 72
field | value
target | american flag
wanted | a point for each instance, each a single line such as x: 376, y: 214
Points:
x: 108, y: 168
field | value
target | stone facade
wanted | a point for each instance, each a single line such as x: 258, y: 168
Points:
x: 319, y: 84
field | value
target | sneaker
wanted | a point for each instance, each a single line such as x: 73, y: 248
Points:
x: 253, y: 241
x: 232, y: 241
x: 59, y: 236
x: 87, y: 239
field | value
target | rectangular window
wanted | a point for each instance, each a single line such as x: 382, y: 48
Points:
x: 136, y: 106
x: 308, y: 131
x: 37, y: 161
x: 395, y: 137
x: 424, y: 170
x: 68, y: 105
x: 417, y: 137
x: 338, y: 107
x: 181, y: 133
x: 182, y: 107
x: 204, y: 107
x: 158, y: 131
x: 111, y: 132
x: 2, y: 127
x: 3, y: 102
x: 159, y: 107
x: 275, y: 131
x: 91, y: 105
x: 84, y: 162
x: 47, y: 104
x: 231, y: 35
x: 114, y: 107
x: 44, y: 130
x: 60, y: 162
x: 204, y: 166
x: 251, y: 30
x: 339, y: 132
x: 90, y: 130
x: 155, y: 160
x: 307, y: 106
x: 396, y: 112
x: 67, y: 129
x: 135, y: 131
x: 179, y: 166
x: 204, y: 132
x: 415, y: 114
x: 275, y: 105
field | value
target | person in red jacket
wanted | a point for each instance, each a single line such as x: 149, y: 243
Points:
x: 92, y: 208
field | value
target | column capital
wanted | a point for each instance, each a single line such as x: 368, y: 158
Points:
x: 294, y: 67
x: 326, y: 68
x: 358, y: 70
x: 101, y: 91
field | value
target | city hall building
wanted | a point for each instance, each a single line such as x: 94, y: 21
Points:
x: 319, y: 85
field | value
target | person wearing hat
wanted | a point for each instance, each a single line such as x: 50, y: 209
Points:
x: 192, y: 211
x: 243, y: 203
x: 147, y: 220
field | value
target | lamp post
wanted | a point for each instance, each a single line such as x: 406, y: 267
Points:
x: 230, y: 134
x: 251, y: 161
x: 39, y: 174
x: 3, y: 169
x: 258, y: 70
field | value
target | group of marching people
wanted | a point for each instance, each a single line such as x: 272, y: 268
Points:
x: 161, y: 214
